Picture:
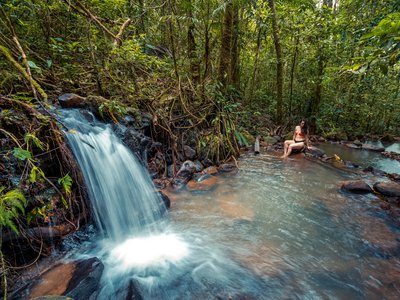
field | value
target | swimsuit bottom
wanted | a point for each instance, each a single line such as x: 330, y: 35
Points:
x: 299, y: 141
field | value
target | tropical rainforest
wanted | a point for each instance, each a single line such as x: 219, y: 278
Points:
x: 211, y: 74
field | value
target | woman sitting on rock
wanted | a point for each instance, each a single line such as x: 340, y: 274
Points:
x: 299, y: 141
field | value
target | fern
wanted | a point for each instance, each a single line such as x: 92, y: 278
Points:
x: 31, y: 138
x: 12, y: 204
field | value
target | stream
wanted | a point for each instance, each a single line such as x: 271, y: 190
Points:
x: 278, y: 229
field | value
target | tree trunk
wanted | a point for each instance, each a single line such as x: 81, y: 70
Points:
x: 234, y: 71
x: 279, y: 63
x: 225, y: 51
x: 255, y: 66
x: 292, y: 75
x: 314, y: 107
x: 192, y: 55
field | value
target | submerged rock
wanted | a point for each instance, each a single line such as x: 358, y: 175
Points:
x: 389, y: 189
x: 203, y: 182
x: 227, y: 168
x: 356, y: 186
x: 373, y: 148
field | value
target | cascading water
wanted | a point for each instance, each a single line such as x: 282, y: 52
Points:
x: 139, y: 248
x: 123, y: 199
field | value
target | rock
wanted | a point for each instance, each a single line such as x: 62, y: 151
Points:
x: 373, y: 148
x: 227, y: 168
x: 210, y: 170
x: 393, y: 200
x: 385, y: 205
x: 392, y: 155
x: 186, y: 171
x: 76, y: 280
x: 389, y: 189
x: 270, y: 140
x: 199, y: 166
x: 161, y: 183
x: 374, y: 171
x: 314, y: 151
x: 71, y: 101
x: 321, y: 139
x: 356, y: 186
x: 357, y: 143
x: 146, y: 119
x: 189, y: 152
x: 165, y: 199
x: 207, y: 162
x: 205, y: 182
x: 394, y: 176
x: 350, y: 164
x: 352, y: 145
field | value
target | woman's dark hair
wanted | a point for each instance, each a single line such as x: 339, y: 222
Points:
x: 304, y: 129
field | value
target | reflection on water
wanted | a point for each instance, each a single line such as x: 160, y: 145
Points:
x: 289, y: 225
x: 365, y: 158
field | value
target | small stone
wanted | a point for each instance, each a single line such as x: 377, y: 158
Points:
x: 71, y: 100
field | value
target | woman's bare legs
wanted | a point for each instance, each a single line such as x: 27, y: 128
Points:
x: 286, y: 147
x: 293, y: 146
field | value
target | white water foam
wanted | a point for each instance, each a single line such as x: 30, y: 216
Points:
x: 141, y: 252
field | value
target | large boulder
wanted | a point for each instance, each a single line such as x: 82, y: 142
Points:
x: 389, y: 189
x: 356, y: 186
x: 186, y: 171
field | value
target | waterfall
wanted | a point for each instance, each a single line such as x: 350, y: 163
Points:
x: 120, y: 190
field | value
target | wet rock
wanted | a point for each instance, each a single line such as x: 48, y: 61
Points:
x: 161, y: 183
x: 392, y: 155
x: 393, y: 200
x: 207, y: 162
x: 189, y: 152
x: 385, y: 205
x: 357, y: 143
x: 227, y: 168
x: 85, y: 279
x: 314, y: 151
x: 373, y: 148
x: 71, y: 100
x: 374, y: 171
x: 394, y: 176
x: 186, y: 171
x: 210, y: 170
x: 76, y: 280
x: 146, y: 119
x: 321, y: 139
x: 350, y: 164
x: 352, y: 146
x: 356, y: 186
x: 199, y: 166
x: 204, y: 182
x: 389, y: 189
x: 165, y: 199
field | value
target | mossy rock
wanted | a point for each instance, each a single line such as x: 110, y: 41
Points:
x: 270, y: 140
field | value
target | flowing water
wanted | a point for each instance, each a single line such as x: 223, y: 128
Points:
x: 278, y: 229
x: 366, y: 158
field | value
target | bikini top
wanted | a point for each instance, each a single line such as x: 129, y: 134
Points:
x: 299, y: 133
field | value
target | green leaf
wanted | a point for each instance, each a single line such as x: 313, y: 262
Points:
x: 22, y: 154
x: 66, y: 183
x: 32, y: 65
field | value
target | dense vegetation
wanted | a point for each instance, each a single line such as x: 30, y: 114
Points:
x: 209, y: 71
